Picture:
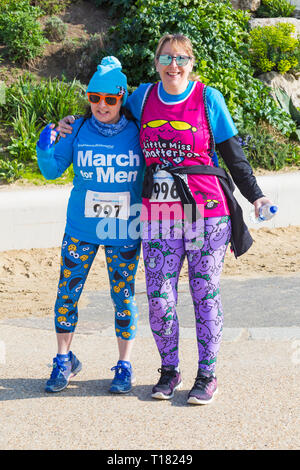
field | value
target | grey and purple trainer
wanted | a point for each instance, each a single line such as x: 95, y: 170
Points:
x: 204, y: 389
x: 170, y: 380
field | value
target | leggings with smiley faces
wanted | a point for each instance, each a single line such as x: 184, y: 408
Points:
x: 164, y: 251
x: 76, y: 260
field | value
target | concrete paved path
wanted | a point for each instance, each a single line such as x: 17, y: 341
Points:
x: 258, y: 373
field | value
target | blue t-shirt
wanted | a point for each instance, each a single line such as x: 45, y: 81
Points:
x: 104, y: 203
x: 221, y: 122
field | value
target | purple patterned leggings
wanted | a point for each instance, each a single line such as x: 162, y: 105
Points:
x: 163, y: 258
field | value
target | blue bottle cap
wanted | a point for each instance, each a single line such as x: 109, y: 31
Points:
x: 273, y: 209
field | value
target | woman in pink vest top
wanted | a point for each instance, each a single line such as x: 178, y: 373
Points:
x: 186, y: 212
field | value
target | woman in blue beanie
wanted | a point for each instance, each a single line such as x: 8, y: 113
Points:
x: 103, y: 209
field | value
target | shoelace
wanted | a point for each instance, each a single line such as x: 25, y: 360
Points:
x: 202, y: 381
x: 122, y: 371
x: 166, y: 375
x: 56, y: 370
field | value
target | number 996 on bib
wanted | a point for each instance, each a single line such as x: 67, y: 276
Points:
x: 164, y: 188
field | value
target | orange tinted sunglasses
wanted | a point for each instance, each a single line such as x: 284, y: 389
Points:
x: 110, y: 100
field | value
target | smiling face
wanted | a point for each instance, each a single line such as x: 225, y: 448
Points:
x: 105, y: 113
x: 174, y: 78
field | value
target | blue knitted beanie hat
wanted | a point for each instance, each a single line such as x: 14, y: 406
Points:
x: 109, y: 79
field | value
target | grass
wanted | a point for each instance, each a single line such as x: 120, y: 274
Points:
x: 33, y: 176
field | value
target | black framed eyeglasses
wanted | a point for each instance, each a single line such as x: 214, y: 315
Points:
x: 181, y: 60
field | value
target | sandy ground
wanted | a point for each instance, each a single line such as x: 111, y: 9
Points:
x: 28, y: 278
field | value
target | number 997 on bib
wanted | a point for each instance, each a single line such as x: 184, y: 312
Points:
x: 102, y: 205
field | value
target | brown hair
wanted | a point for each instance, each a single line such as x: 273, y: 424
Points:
x: 178, y: 38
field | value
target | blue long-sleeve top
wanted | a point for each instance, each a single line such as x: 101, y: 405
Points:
x: 105, y: 200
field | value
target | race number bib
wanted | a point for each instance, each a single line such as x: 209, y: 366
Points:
x: 164, y: 188
x: 101, y: 205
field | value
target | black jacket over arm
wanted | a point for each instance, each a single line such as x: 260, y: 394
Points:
x: 239, y: 168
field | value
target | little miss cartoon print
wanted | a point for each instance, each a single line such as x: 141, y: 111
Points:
x: 170, y: 141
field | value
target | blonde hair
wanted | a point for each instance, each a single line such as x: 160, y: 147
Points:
x: 177, y: 39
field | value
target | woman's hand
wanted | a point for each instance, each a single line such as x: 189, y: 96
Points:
x: 260, y: 202
x: 64, y: 126
x: 47, y: 137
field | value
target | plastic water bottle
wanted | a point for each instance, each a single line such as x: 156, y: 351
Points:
x: 266, y: 212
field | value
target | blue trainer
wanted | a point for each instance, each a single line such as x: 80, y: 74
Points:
x: 62, y: 372
x: 123, y: 379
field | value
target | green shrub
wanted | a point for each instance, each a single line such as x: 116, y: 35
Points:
x: 26, y: 128
x: 286, y: 103
x: 55, y: 29
x: 217, y: 32
x: 30, y: 105
x: 275, y: 8
x: 221, y: 44
x: 10, y: 170
x: 274, y: 48
x: 13, y: 5
x: 264, y: 150
x: 115, y: 7
x: 20, y: 31
x: 49, y: 99
x: 51, y: 7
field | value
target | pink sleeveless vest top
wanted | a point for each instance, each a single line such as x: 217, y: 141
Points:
x: 178, y: 135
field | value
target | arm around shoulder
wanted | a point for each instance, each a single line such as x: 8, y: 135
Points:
x: 136, y: 99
